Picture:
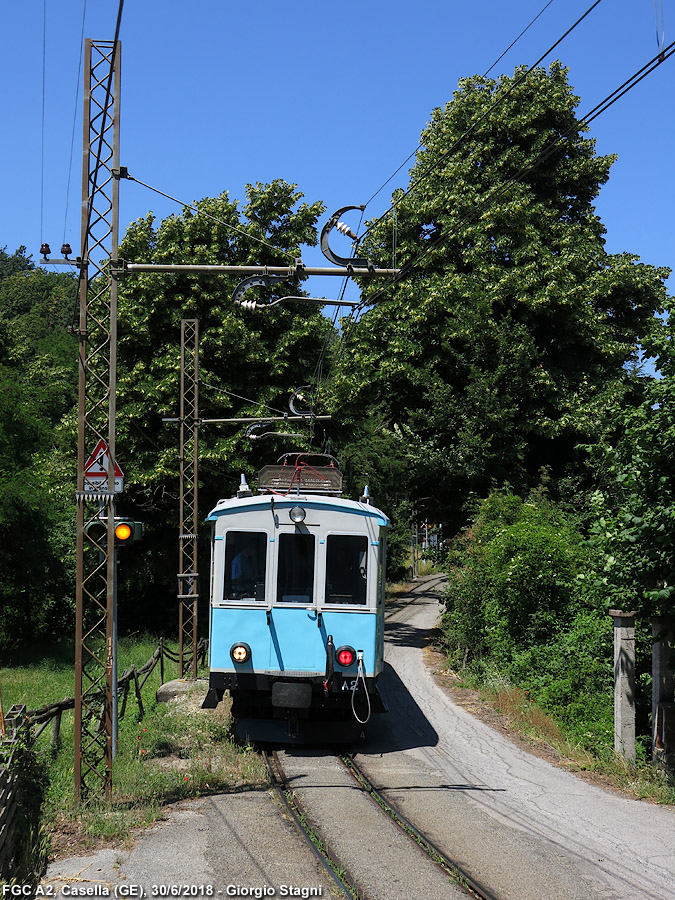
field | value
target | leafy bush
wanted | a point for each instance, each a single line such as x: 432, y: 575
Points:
x: 521, y: 597
x: 571, y: 677
x: 513, y: 577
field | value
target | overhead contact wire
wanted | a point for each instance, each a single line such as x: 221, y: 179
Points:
x: 206, y: 215
x: 239, y: 397
x: 485, y: 74
x: 460, y: 140
x: 593, y: 114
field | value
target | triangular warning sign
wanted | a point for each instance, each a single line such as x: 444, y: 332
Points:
x: 97, y: 464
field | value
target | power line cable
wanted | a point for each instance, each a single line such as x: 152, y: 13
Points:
x: 351, y: 320
x: 104, y: 116
x: 515, y: 41
x: 460, y: 140
x: 660, y: 38
x: 472, y: 216
x: 593, y: 114
x: 485, y: 74
x: 206, y: 215
x: 72, y: 136
x: 42, y: 139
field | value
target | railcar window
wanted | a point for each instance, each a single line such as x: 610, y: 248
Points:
x: 346, y: 568
x: 245, y: 565
x: 295, y: 576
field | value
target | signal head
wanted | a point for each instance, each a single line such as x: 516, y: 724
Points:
x: 127, y: 531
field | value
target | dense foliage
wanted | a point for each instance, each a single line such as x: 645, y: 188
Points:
x: 250, y: 363
x: 38, y: 371
x: 634, y: 502
x: 523, y: 598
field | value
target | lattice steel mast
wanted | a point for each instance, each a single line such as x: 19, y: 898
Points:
x: 188, y: 578
x: 96, y: 421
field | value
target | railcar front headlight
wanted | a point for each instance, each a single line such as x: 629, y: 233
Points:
x: 297, y: 514
x: 240, y: 652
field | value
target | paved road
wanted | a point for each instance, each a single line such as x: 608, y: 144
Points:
x: 521, y: 826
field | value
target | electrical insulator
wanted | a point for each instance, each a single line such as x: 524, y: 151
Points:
x: 345, y: 229
x: 45, y: 250
x: 248, y: 304
x: 66, y: 250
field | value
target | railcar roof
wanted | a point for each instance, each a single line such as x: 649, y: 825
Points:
x: 310, y: 501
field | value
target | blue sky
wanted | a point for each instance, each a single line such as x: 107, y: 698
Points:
x: 329, y: 96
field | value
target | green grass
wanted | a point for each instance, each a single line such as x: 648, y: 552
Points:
x: 176, y: 750
x: 426, y: 567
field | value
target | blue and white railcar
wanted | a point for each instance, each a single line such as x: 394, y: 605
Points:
x: 297, y: 605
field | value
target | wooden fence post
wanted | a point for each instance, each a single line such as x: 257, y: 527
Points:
x: 55, y: 739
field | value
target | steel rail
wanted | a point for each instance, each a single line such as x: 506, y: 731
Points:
x: 419, y: 838
x: 345, y: 883
x: 419, y: 590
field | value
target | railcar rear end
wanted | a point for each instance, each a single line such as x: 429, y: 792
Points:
x: 297, y: 606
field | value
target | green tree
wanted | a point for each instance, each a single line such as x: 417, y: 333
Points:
x: 38, y: 370
x: 17, y: 262
x: 250, y: 361
x: 523, y: 600
x: 501, y: 349
x: 634, y: 504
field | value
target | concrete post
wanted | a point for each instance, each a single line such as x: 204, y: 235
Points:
x: 624, y: 683
x: 663, y: 688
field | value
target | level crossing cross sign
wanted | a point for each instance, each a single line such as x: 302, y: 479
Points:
x: 96, y: 470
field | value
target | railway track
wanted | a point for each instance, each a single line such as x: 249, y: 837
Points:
x: 333, y: 868
x: 424, y: 588
x: 438, y: 856
x: 312, y: 786
x: 297, y: 779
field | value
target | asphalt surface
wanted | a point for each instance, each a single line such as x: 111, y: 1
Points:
x: 522, y: 827
x: 238, y: 845
x: 519, y: 825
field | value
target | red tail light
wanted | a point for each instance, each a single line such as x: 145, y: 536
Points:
x: 345, y: 656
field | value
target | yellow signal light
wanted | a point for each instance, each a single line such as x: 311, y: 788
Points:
x: 123, y: 531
